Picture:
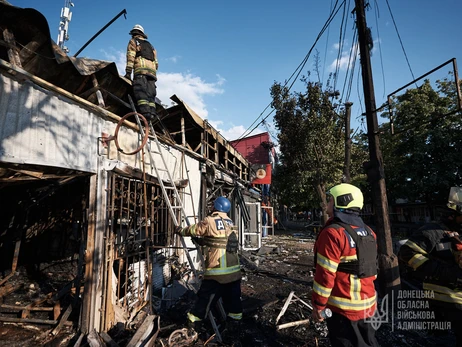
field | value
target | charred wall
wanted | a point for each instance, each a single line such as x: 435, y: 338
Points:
x: 48, y: 216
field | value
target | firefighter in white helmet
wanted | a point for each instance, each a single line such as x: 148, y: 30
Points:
x: 432, y: 256
x: 142, y: 61
x: 346, y: 267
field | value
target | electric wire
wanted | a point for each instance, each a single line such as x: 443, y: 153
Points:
x: 377, y: 15
x: 400, y: 41
x: 37, y: 54
x: 297, y: 70
x: 351, y: 61
x: 359, y: 92
x: 341, y: 42
x: 352, y: 72
x: 327, y: 45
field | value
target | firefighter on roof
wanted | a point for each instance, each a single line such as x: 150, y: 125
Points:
x: 346, y: 267
x: 222, y: 276
x: 433, y: 257
x: 142, y: 60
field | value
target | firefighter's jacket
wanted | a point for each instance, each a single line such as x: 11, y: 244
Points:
x: 342, y: 292
x: 137, y: 62
x: 220, y: 245
x: 429, y: 258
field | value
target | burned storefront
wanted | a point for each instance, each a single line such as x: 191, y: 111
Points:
x: 90, y: 197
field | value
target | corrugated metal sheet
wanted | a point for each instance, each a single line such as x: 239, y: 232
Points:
x: 38, y: 127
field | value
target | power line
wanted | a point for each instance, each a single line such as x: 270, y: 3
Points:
x: 341, y: 42
x: 327, y: 43
x: 400, y: 41
x: 380, y: 45
x: 297, y: 70
x: 348, y: 73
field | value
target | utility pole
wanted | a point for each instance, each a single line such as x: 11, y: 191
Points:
x: 346, y: 166
x: 388, y: 262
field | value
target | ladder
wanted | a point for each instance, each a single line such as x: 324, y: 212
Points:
x: 160, y: 166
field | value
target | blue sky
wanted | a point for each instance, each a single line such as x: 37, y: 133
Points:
x: 221, y: 57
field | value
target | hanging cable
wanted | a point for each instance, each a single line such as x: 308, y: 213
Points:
x: 400, y: 41
x: 297, y: 71
x: 351, y: 61
x: 327, y: 44
x: 380, y: 44
x: 341, y: 42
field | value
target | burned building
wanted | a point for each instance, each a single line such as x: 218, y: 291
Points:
x: 89, y: 196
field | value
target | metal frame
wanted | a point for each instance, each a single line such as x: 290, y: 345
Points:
x: 269, y: 218
x: 456, y: 80
x: 246, y: 236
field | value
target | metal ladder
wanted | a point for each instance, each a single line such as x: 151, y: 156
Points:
x: 178, y: 206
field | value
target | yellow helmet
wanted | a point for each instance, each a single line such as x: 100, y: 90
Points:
x: 455, y: 199
x: 347, y: 196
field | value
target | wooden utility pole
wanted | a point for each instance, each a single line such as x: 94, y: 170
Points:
x: 346, y: 166
x: 388, y: 262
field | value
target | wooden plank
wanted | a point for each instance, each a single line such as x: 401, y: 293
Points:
x: 108, y: 340
x: 8, y: 289
x: 79, y: 340
x: 16, y: 255
x: 284, y: 308
x: 28, y: 320
x: 20, y: 308
x: 82, y: 102
x: 143, y: 331
x: 13, y: 54
x: 99, y: 95
x: 56, y: 310
x: 87, y: 307
x: 63, y: 319
x: 293, y: 324
x: 94, y: 340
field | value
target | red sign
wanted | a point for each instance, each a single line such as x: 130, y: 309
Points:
x: 262, y: 172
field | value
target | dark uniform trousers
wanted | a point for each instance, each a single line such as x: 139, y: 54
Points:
x: 346, y: 333
x: 209, y: 293
x: 145, y: 91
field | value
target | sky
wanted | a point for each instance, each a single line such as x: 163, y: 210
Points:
x: 222, y: 57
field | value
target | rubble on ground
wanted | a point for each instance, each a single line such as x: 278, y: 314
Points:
x: 281, y: 267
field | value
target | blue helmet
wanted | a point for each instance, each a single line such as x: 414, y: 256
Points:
x: 222, y: 204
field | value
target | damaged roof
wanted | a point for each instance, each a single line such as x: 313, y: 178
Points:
x: 40, y: 56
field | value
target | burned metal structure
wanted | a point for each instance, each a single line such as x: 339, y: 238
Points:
x: 84, y: 224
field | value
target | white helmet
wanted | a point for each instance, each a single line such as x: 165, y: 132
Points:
x: 137, y: 28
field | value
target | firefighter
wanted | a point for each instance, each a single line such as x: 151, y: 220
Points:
x: 142, y: 60
x: 433, y: 257
x: 346, y: 267
x: 222, y: 277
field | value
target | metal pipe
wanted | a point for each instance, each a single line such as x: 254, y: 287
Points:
x: 419, y: 78
x: 123, y: 12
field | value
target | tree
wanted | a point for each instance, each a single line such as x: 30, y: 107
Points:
x: 422, y: 159
x: 311, y: 144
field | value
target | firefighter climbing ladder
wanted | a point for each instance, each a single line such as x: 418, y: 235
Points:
x: 160, y: 166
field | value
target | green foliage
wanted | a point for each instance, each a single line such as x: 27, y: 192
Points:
x: 311, y: 144
x: 422, y: 160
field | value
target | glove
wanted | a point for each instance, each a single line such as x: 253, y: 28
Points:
x: 128, y: 76
x: 178, y: 230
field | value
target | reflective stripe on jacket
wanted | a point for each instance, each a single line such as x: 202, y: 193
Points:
x: 138, y: 64
x: 344, y: 293
x: 427, y: 255
x: 220, y: 265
